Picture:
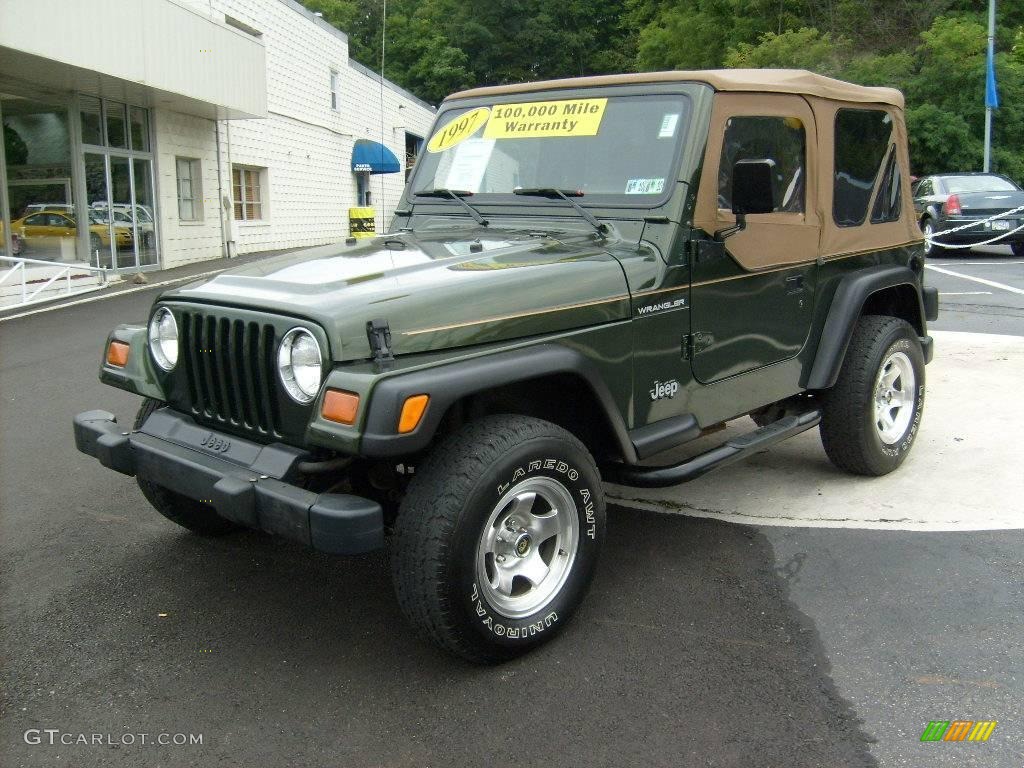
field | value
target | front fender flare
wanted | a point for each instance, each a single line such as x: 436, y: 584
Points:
x: 847, y: 303
x: 446, y: 384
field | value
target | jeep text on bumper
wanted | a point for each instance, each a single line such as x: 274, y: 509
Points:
x: 245, y: 482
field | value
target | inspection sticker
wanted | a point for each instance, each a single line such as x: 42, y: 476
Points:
x: 459, y: 129
x: 644, y: 186
x: 668, y: 126
x: 539, y: 119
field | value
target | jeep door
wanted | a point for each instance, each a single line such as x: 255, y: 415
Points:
x: 752, y: 300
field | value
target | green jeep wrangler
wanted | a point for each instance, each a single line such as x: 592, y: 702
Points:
x: 581, y: 275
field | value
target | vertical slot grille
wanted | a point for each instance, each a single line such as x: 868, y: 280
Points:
x: 229, y: 371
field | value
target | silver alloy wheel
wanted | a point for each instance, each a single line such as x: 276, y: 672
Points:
x: 894, y: 397
x: 929, y: 232
x: 527, y: 547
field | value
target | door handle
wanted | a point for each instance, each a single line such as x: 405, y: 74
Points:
x: 794, y: 283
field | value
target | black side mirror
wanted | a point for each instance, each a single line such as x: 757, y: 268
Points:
x: 753, y: 187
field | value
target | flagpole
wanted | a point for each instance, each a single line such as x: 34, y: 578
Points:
x: 989, y: 64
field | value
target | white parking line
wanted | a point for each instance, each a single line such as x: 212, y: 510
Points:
x: 981, y: 280
x: 115, y: 294
x: 964, y: 293
x: 974, y: 263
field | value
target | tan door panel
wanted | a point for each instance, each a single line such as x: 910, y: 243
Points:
x: 770, y: 239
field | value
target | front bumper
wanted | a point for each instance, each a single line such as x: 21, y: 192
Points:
x: 245, y: 482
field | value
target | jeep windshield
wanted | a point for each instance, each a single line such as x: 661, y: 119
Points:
x: 615, y: 150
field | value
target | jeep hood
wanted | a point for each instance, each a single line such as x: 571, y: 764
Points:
x: 437, y: 290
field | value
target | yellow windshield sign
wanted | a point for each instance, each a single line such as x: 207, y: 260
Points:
x: 540, y: 119
x: 459, y: 129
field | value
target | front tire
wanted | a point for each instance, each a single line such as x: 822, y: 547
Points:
x: 498, y: 537
x: 871, y: 416
x: 1017, y: 249
x: 188, y: 513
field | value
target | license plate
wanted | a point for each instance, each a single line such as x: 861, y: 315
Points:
x: 1001, y: 225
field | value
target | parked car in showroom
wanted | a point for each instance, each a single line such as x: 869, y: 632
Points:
x: 949, y: 200
x: 44, y: 230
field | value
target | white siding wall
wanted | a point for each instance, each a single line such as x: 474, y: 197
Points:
x: 179, y: 135
x: 305, y: 145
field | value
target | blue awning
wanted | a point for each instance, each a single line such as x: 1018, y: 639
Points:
x: 373, y: 157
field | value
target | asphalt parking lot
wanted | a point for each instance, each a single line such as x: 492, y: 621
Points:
x: 969, y: 300
x: 780, y: 640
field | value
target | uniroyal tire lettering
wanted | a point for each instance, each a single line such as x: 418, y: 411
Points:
x: 503, y: 630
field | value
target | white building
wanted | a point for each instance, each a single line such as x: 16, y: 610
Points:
x: 185, y: 130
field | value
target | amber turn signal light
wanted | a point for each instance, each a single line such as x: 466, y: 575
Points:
x: 117, y: 354
x: 340, y: 406
x: 412, y: 412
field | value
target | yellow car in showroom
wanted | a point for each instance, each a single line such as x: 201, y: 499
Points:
x: 44, y: 231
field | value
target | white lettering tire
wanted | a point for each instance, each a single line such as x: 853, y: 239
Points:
x: 498, y: 537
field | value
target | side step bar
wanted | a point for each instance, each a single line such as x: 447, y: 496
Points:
x: 732, y: 450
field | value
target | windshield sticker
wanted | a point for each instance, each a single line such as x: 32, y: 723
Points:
x: 468, y: 163
x: 668, y: 126
x: 458, y: 130
x: 644, y: 186
x: 544, y: 119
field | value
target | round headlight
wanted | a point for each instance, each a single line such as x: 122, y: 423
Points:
x: 163, y: 338
x: 301, y: 364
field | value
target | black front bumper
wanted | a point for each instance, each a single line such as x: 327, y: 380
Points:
x: 245, y: 482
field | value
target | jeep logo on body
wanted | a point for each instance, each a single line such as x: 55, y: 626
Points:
x: 664, y: 389
x: 214, y: 443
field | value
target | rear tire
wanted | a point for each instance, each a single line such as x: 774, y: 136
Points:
x: 188, y: 513
x: 498, y: 537
x: 871, y: 416
x: 931, y: 250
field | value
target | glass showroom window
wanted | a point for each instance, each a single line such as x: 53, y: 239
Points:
x: 190, y: 203
x: 247, y: 192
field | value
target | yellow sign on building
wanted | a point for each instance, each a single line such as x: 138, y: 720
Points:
x: 362, y: 222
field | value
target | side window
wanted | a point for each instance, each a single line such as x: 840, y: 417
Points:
x: 862, y: 138
x: 36, y: 220
x: 888, y: 205
x: 780, y: 139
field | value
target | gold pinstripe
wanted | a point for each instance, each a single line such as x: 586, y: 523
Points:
x: 516, y: 316
x: 653, y: 292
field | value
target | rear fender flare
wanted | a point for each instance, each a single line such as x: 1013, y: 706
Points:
x: 846, y: 308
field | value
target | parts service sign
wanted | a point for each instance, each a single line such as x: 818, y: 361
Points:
x: 538, y: 119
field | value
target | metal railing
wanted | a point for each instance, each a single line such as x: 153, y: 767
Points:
x: 64, y: 273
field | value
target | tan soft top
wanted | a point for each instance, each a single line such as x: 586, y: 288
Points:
x: 797, y: 81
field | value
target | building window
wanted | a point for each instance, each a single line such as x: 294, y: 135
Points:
x: 247, y: 192
x: 335, y: 90
x: 779, y: 139
x: 190, y: 197
x: 413, y: 145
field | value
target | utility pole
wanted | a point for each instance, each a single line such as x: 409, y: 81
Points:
x: 991, y: 97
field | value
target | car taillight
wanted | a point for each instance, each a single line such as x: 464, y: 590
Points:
x: 952, y: 206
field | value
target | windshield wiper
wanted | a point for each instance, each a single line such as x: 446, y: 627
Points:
x: 456, y: 195
x: 567, y: 195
